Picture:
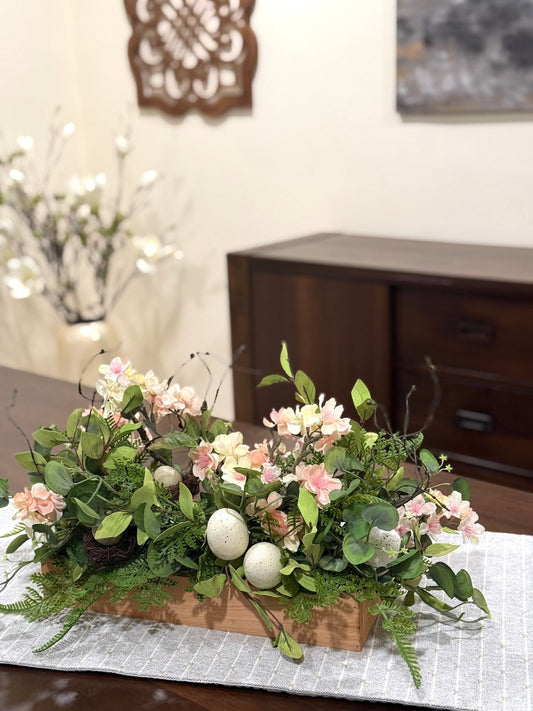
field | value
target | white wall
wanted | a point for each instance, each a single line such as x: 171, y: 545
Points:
x: 322, y: 149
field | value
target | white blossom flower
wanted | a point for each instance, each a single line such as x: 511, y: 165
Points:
x: 23, y: 277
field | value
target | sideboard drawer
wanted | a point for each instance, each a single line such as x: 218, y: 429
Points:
x: 465, y: 332
x: 481, y: 422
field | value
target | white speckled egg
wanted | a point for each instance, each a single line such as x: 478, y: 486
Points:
x: 227, y: 534
x: 262, y: 565
x: 167, y: 476
x: 388, y: 540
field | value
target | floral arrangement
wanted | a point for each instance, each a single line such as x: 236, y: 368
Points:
x: 65, y: 243
x: 322, y: 508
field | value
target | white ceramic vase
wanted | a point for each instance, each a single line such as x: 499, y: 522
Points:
x: 79, y: 345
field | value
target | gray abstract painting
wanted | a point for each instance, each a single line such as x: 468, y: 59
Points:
x: 458, y: 56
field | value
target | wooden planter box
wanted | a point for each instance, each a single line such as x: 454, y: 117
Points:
x: 343, y: 626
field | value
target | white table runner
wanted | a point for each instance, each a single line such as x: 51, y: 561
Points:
x: 484, y: 667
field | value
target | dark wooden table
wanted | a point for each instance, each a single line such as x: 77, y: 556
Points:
x: 44, y: 401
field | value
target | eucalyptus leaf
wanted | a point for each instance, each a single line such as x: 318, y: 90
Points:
x: 463, y: 585
x: 408, y: 566
x: 84, y: 513
x: 334, y: 459
x: 58, y: 478
x: 92, y: 444
x: 32, y: 461
x: 463, y: 487
x: 49, y: 438
x: 479, y: 600
x: 444, y: 576
x: 335, y: 565
x: 357, y: 552
x: 73, y: 422
x: 381, y: 515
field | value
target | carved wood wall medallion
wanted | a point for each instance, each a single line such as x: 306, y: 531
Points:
x: 188, y: 54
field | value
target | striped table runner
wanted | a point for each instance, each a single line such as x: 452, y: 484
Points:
x: 484, y: 667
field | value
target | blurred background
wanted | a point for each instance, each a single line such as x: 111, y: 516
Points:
x: 322, y: 149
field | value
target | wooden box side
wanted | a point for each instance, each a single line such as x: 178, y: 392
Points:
x: 343, y: 626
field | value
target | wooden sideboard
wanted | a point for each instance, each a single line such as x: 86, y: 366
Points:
x: 373, y: 308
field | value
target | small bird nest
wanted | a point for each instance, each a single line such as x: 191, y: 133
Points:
x: 120, y: 551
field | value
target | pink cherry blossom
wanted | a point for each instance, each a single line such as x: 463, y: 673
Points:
x: 332, y: 422
x: 419, y: 507
x: 176, y: 400
x: 316, y: 479
x: 275, y: 522
x: 40, y: 505
x: 285, y: 420
x: 431, y: 526
x: 257, y: 458
x: 404, y: 524
x: 205, y: 461
x: 456, y: 507
x: 470, y: 529
x: 270, y: 473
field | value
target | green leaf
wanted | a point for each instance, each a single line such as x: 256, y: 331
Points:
x: 238, y: 581
x: 158, y: 563
x: 463, y: 487
x: 92, y: 444
x: 437, y: 549
x: 186, y: 502
x: 479, y: 600
x: 16, y: 543
x: 362, y: 400
x: 444, y: 576
x: 172, y: 530
x: 306, y: 580
x: 381, y: 515
x: 142, y: 536
x: 212, y: 587
x: 357, y: 552
x: 146, y: 493
x: 359, y: 528
x: 312, y: 550
x: 305, y: 387
x: 408, y: 566
x: 32, y: 461
x: 463, y: 585
x: 263, y: 614
x: 113, y: 525
x: 4, y: 493
x: 218, y: 427
x: 308, y: 507
x: 49, y: 438
x: 289, y: 646
x: 84, y: 513
x: 335, y: 565
x: 284, y: 359
x: 395, y: 479
x: 272, y: 379
x: 429, y: 461
x: 73, y: 422
x: 132, y: 401
x: 176, y: 439
x: 334, y: 460
x: 58, y: 478
x: 119, y: 456
x: 151, y: 524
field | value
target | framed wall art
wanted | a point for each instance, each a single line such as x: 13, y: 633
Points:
x: 460, y: 56
x: 192, y: 54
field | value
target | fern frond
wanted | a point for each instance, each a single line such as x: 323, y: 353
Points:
x: 70, y: 620
x: 398, y: 621
x: 19, y: 528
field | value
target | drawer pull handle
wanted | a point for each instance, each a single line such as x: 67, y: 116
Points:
x: 475, y: 421
x: 475, y: 332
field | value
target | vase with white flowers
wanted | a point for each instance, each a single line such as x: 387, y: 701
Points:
x: 75, y: 244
